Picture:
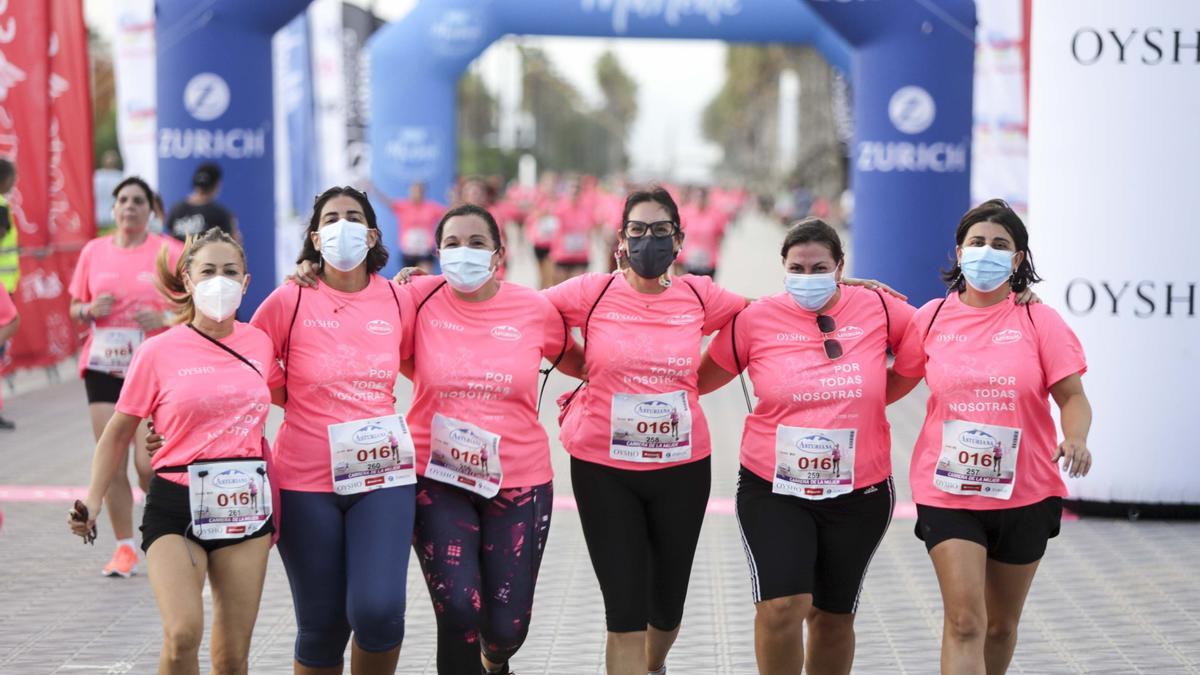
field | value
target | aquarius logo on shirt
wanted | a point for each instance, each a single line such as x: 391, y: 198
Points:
x: 379, y: 327
x: 817, y: 444
x: 506, y: 333
x: 370, y: 434
x: 1007, y: 336
x: 231, y: 480
x: 977, y: 439
x: 654, y: 409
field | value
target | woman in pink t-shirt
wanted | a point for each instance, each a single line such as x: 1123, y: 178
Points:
x: 484, y: 496
x: 343, y: 458
x: 113, y: 291
x: 205, y: 383
x: 10, y: 321
x: 815, y: 492
x: 637, y: 436
x: 991, y: 366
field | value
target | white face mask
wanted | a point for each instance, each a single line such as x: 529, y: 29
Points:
x: 467, y: 269
x: 217, y: 298
x: 344, y: 244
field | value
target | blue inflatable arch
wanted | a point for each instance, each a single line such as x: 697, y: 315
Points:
x: 911, y: 64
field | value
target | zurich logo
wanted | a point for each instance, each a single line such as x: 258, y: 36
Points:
x: 231, y: 480
x: 654, y: 409
x: 815, y: 443
x: 206, y: 96
x: 372, y: 433
x: 977, y: 440
x: 912, y: 109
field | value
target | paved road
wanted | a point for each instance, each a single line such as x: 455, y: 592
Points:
x: 1111, y: 597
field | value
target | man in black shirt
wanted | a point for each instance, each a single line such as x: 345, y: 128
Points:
x: 200, y: 210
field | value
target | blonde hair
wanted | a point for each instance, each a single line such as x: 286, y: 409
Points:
x: 170, y: 281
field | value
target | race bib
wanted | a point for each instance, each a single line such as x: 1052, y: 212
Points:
x: 977, y: 460
x: 417, y: 241
x: 112, y: 349
x: 229, y: 499
x: 547, y: 227
x: 651, y: 428
x: 814, y: 463
x: 371, y: 454
x: 464, y: 455
x: 575, y: 243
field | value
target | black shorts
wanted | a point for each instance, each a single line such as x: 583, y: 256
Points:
x: 542, y: 252
x: 168, y: 511
x: 641, y: 529
x: 102, y: 387
x: 797, y: 546
x: 1016, y: 536
x: 407, y: 260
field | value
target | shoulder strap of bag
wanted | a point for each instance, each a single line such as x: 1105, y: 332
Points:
x: 586, y: 322
x: 737, y: 360
x: 236, y: 355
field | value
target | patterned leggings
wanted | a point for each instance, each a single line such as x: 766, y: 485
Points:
x: 480, y: 558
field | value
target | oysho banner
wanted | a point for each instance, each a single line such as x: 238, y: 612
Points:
x: 1115, y: 95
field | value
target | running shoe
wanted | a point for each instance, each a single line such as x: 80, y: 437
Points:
x: 124, y: 563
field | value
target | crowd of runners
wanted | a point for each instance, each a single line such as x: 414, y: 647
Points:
x: 461, y: 474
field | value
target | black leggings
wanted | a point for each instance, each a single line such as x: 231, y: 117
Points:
x: 642, y: 528
x: 480, y: 558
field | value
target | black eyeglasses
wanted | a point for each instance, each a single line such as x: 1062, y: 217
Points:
x: 660, y: 229
x: 827, y: 326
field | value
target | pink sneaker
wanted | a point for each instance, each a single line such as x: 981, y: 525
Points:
x: 124, y: 562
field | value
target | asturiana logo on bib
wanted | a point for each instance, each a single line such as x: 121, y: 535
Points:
x: 1006, y: 337
x: 816, y: 444
x: 654, y: 409
x: 466, y: 437
x: 849, y: 333
x: 370, y: 434
x: 379, y: 327
x: 506, y: 333
x: 231, y: 480
x: 977, y: 439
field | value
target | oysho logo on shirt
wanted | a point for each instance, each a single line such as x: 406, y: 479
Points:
x: 791, y: 337
x: 446, y: 325
x: 322, y: 323
x: 379, y: 327
x: 849, y: 333
x: 202, y: 370
x: 681, y: 320
x: 617, y: 316
x: 506, y: 333
x: 951, y: 337
x: 1007, y: 336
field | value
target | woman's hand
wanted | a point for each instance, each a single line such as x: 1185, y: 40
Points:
x: 101, y: 306
x: 407, y: 273
x: 154, y: 440
x: 149, y: 320
x: 305, y: 276
x: 873, y: 285
x: 83, y: 524
x: 1077, y: 458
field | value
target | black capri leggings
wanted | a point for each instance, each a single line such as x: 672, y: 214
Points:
x: 641, y: 529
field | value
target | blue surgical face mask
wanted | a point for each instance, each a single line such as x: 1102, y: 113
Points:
x: 344, y: 244
x: 467, y: 269
x: 811, y: 291
x: 985, y: 268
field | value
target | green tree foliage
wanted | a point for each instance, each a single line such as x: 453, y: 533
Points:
x: 620, y: 106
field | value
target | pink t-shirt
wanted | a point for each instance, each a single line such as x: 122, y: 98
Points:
x: 572, y: 244
x: 341, y: 366
x: 991, y: 365
x: 8, y: 312
x: 797, y: 385
x: 703, y: 231
x: 478, y: 362
x: 638, y: 343
x: 417, y: 222
x: 206, y: 402
x: 128, y: 274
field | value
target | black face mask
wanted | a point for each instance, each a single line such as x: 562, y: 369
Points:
x: 650, y: 256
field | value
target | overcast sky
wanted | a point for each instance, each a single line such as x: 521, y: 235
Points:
x: 676, y: 79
